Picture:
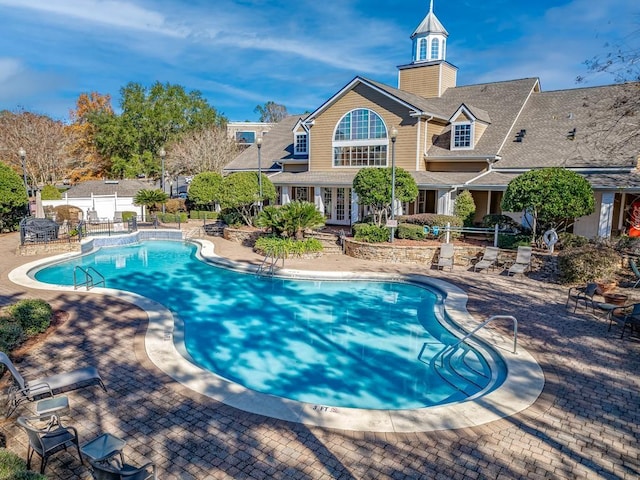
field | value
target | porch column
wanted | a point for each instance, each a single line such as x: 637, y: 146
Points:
x: 444, y: 202
x: 606, y: 215
x: 318, y: 200
x: 355, y: 208
x: 285, y: 195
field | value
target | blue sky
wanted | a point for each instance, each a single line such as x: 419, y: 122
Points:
x: 298, y: 53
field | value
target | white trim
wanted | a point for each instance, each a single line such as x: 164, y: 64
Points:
x: 471, y: 135
x: 295, y: 144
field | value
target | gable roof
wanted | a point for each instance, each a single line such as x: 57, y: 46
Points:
x: 277, y: 145
x: 599, y: 137
x: 123, y: 188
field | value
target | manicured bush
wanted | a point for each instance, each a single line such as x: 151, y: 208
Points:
x: 504, y: 222
x: 232, y: 218
x: 588, y: 263
x: 126, y: 215
x: 370, y: 233
x: 410, y: 232
x: 175, y: 205
x: 286, y: 247
x: 568, y: 240
x: 514, y: 241
x: 12, y: 467
x: 203, y: 215
x: 431, y: 220
x: 465, y: 208
x: 173, y: 217
x: 11, y: 334
x: 50, y: 192
x: 33, y: 315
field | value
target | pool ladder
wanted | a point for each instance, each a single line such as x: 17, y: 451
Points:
x: 89, y: 280
x: 268, y: 265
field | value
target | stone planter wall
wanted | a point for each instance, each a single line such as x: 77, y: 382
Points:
x: 47, y: 248
x: 385, y: 252
x: 246, y: 238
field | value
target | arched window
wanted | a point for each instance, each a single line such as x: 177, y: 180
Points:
x: 435, y: 49
x: 360, y: 140
x: 422, y: 55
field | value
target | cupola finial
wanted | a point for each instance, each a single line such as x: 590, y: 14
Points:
x: 431, y: 7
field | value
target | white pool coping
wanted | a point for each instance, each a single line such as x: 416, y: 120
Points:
x: 165, y: 348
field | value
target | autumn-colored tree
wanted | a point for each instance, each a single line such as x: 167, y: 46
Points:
x: 86, y: 162
x: 45, y: 143
x: 205, y: 150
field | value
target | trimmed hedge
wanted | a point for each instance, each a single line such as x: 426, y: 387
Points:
x: 202, y: 215
x: 173, y: 217
x: 286, y: 247
x: 11, y: 334
x: 586, y: 264
x: 370, y: 233
x: 126, y: 215
x: 33, y: 315
x: 410, y: 232
x: 568, y: 240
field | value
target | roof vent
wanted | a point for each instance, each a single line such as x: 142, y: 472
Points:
x: 520, y: 135
x: 571, y: 135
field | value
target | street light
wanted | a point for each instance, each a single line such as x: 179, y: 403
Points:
x: 259, y: 144
x: 23, y: 157
x: 394, y: 135
x: 162, y: 154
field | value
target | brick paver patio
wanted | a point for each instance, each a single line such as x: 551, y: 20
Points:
x: 586, y: 424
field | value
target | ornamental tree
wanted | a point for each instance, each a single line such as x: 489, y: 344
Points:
x: 465, y: 208
x: 150, y: 198
x: 552, y: 197
x: 13, y: 199
x: 206, y: 189
x: 373, y: 186
x: 240, y: 193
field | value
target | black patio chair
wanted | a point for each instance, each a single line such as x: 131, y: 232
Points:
x: 583, y: 295
x: 114, y: 471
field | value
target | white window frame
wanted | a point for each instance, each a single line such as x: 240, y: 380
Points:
x: 454, y: 126
x: 422, y: 49
x: 366, y: 142
x: 435, y: 42
x: 297, y: 151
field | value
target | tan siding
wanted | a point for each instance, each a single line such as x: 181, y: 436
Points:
x: 392, y: 114
x: 481, y: 199
x: 296, y: 168
x: 479, y: 129
x: 462, y: 118
x: 423, y: 81
x: 449, y: 75
x: 455, y: 166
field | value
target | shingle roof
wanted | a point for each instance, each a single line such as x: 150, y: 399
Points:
x: 277, y: 145
x: 550, y: 117
x: 123, y: 188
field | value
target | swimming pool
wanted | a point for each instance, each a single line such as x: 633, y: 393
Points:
x: 366, y: 345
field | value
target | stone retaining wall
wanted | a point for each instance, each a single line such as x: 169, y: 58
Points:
x: 42, y: 248
x: 246, y: 238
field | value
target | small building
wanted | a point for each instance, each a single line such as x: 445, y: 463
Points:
x: 105, y: 197
x: 453, y: 138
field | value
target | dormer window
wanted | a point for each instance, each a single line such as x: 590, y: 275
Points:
x: 435, y: 49
x: 461, y: 136
x: 301, y: 144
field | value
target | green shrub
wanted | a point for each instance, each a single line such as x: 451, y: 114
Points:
x: 370, y: 233
x: 49, y: 192
x: 504, y: 222
x: 588, y: 263
x: 508, y: 241
x: 126, y: 216
x: 629, y: 245
x: 286, y: 247
x: 172, y: 217
x: 12, y: 467
x: 465, y: 208
x: 11, y: 334
x: 568, y: 240
x: 202, y: 215
x: 410, y: 232
x: 431, y: 220
x: 33, y: 315
x: 232, y: 218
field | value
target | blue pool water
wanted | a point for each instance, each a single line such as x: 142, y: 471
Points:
x: 337, y: 343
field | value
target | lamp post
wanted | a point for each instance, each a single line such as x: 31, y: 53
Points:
x: 162, y: 154
x: 259, y: 144
x: 23, y: 156
x: 394, y: 135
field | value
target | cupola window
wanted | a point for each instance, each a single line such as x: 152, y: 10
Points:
x: 435, y: 49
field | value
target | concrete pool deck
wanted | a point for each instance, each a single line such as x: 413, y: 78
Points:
x: 584, y: 425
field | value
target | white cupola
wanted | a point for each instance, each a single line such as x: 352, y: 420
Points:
x: 429, y: 39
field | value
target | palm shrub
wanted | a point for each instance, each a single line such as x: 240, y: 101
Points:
x: 150, y: 198
x: 33, y: 315
x: 299, y: 216
x: 272, y: 219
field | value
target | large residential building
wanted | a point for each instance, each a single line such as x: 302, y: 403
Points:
x: 454, y: 138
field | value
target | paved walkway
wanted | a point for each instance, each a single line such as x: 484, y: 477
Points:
x: 586, y: 424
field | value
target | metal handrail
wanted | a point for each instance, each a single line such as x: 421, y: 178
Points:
x: 88, y: 278
x: 482, y: 325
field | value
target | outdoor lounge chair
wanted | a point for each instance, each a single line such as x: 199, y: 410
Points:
x: 583, y: 295
x: 488, y: 260
x: 628, y: 316
x: 110, y: 471
x: 445, y: 259
x: 48, y: 439
x: 48, y: 386
x: 522, y: 263
x: 636, y: 272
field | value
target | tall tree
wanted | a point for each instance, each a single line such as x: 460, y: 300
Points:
x: 198, y: 151
x: 151, y: 118
x: 45, y: 142
x: 86, y: 162
x: 271, y: 112
x: 13, y: 199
